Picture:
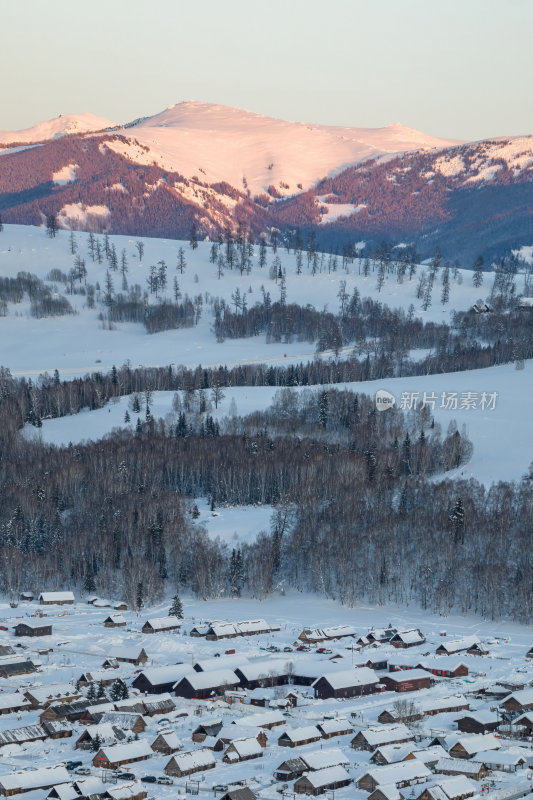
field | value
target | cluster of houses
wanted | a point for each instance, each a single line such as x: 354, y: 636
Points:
x: 383, y: 713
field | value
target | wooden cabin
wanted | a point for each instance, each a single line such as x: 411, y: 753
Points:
x: 115, y: 621
x: 330, y: 728
x: 33, y: 628
x: 298, y: 736
x: 204, y: 685
x: 479, y: 722
x: 243, y: 750
x: 161, y: 625
x: 31, y: 780
x: 406, y: 680
x: 119, y: 754
x: 469, y: 746
x: 346, y: 683
x: 322, y: 780
x: 64, y: 711
x: 167, y: 743
x: 56, y: 598
x: 182, y: 764
x: 410, y: 638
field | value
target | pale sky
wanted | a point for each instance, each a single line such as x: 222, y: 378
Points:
x: 452, y: 68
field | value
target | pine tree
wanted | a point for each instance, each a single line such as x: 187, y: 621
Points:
x: 100, y: 693
x: 96, y: 743
x: 117, y: 691
x: 127, y: 417
x: 139, y: 596
x: 176, y: 609
x: 1, y: 224
x: 52, y: 226
x: 91, y: 693
x: 477, y: 278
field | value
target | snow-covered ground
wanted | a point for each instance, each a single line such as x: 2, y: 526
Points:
x: 78, y: 344
x: 491, y: 404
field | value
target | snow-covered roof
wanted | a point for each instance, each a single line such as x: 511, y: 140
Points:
x: 384, y: 734
x: 53, y: 691
x: 407, y: 675
x: 194, y: 759
x: 13, y: 700
x: 456, y: 645
x: 125, y: 652
x: 430, y: 754
x: 509, y: 757
x: 123, y: 719
x: 455, y: 786
x: 343, y: 679
x: 172, y: 740
x: 56, y: 596
x: 231, y: 661
x: 410, y: 636
x: 261, y: 718
x: 303, y: 733
x: 125, y: 791
x: 34, y: 779
x: 483, y: 716
x: 247, y: 747
x: 466, y: 765
x: 261, y: 669
x: 478, y: 741
x: 123, y: 752
x: 333, y: 632
x: 335, y: 725
x: 17, y: 735
x: 403, y: 771
x: 523, y: 697
x: 320, y: 759
x: 163, y: 623
x: 64, y: 791
x: 327, y: 776
x: 172, y: 674
x: 34, y: 624
x: 206, y: 680
x: 392, y: 753
x: 118, y: 619
x: 105, y: 731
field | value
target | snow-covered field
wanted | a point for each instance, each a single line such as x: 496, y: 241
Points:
x: 78, y: 344
x: 504, y: 418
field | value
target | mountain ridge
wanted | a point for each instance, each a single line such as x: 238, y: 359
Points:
x: 216, y: 167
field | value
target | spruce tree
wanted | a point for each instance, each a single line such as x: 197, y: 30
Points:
x: 176, y: 609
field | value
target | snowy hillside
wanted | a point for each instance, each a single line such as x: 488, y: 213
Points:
x: 77, y: 344
x: 221, y: 143
x: 63, y: 125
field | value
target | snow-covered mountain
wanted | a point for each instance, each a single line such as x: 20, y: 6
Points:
x: 220, y: 143
x: 63, y: 125
x: 216, y: 166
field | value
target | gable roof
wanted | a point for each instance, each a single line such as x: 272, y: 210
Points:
x: 346, y: 678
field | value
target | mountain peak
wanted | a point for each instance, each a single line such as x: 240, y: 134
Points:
x: 62, y: 125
